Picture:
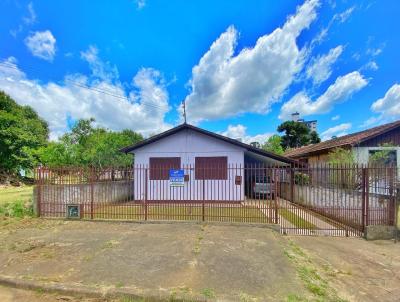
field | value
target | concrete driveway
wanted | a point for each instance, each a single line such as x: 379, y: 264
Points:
x: 193, y: 262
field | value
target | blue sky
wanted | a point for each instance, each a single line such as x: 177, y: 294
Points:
x: 241, y: 66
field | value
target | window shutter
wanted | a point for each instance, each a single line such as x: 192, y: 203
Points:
x: 160, y: 166
x: 211, y: 167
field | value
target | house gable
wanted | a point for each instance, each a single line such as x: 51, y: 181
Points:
x: 217, y: 137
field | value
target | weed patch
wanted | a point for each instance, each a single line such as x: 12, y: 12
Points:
x: 208, y: 293
x: 18, y: 209
x: 119, y: 285
x: 247, y: 298
x: 310, y: 276
x: 295, y: 298
x: 110, y: 244
x: 196, y: 249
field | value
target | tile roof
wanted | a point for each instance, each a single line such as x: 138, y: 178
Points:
x: 347, y: 140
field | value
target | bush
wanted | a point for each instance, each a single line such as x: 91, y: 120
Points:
x: 17, y: 209
x: 301, y: 178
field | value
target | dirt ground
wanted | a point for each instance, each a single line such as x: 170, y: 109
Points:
x: 358, y: 269
x: 8, y: 294
x: 217, y: 263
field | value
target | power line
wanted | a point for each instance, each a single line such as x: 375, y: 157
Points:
x: 12, y: 66
x: 85, y: 86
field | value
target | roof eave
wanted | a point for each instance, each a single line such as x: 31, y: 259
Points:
x: 214, y: 135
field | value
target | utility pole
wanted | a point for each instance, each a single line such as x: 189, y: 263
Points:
x: 184, y: 110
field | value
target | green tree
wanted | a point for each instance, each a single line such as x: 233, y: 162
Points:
x: 314, y: 138
x: 81, y: 131
x: 86, y: 145
x: 274, y: 145
x: 343, y: 178
x: 102, y: 148
x: 386, y: 156
x: 22, y: 132
x: 341, y: 156
x: 297, y: 134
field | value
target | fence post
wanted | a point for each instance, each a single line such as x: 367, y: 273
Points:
x: 367, y: 196
x: 39, y: 192
x: 365, y: 189
x: 292, y: 183
x: 202, y: 206
x: 392, y: 198
x: 145, y: 192
x: 276, y: 195
x: 91, y: 179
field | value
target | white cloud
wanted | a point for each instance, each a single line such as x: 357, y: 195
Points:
x: 343, y: 88
x: 372, y: 49
x: 371, y: 65
x: 27, y: 20
x: 140, y: 4
x: 320, y: 68
x: 42, y: 44
x: 335, y: 118
x: 224, y: 85
x: 239, y: 132
x: 340, y: 17
x: 102, y: 70
x: 371, y: 121
x: 389, y: 105
x: 31, y: 18
x: 375, y: 51
x: 338, y: 130
x: 142, y: 108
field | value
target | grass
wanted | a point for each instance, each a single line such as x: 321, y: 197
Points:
x: 308, y: 272
x: 208, y: 293
x: 296, y: 220
x: 12, y: 194
x: 223, y: 213
x: 16, y: 201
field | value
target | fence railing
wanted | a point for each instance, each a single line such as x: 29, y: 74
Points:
x: 329, y: 199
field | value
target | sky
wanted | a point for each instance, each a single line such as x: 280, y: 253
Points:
x: 242, y: 67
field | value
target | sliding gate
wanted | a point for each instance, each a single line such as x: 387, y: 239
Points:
x: 337, y: 200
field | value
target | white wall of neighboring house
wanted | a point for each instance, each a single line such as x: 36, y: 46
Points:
x: 188, y: 145
x: 361, y: 154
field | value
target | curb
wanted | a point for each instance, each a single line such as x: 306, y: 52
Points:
x: 79, y: 291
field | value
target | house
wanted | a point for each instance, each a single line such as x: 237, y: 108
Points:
x: 363, y: 144
x: 312, y: 125
x: 215, y: 167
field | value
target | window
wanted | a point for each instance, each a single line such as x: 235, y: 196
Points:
x: 211, y: 167
x: 160, y: 166
x: 385, y: 157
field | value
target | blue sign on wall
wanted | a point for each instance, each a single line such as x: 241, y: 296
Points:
x: 176, y: 178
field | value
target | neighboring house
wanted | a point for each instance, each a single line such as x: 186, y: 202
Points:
x: 312, y: 125
x: 363, y: 144
x: 205, y: 156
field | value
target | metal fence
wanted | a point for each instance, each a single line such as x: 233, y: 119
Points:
x: 336, y: 200
x: 339, y: 199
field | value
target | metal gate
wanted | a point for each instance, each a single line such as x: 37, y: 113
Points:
x: 336, y: 200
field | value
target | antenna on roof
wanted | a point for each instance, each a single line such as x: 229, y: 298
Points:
x: 184, y: 110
